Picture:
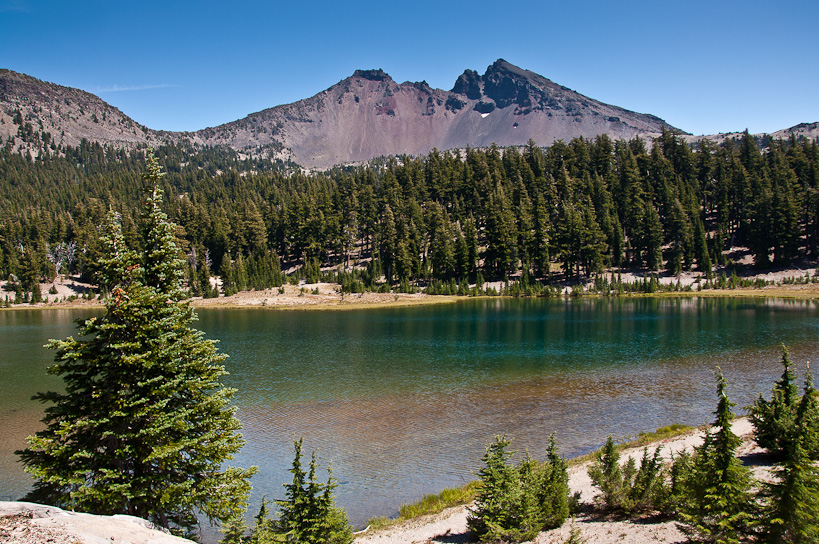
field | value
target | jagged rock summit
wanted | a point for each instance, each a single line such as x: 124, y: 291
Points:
x: 368, y: 114
x: 363, y: 116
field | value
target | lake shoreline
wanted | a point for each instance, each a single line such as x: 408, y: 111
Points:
x: 327, y: 297
x: 450, y: 525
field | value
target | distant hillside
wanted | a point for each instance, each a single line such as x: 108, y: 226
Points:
x: 802, y: 130
x: 36, y: 112
x: 363, y: 116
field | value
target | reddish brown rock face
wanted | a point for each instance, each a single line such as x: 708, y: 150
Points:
x: 364, y: 116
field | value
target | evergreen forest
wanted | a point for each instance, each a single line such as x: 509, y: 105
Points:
x: 564, y: 213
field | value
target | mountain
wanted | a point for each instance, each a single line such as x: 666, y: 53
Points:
x: 32, y: 110
x: 368, y: 114
x: 363, y: 116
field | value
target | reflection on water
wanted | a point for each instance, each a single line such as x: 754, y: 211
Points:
x: 401, y: 402
x: 392, y: 449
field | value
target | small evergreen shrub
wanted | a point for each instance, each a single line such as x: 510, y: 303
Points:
x: 307, y: 514
x: 791, y: 501
x: 712, y: 486
x: 515, y: 503
x: 626, y: 489
x: 774, y: 420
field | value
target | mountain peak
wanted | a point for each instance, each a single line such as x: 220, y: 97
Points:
x: 373, y: 75
x: 501, y: 66
x: 363, y: 116
x: 470, y: 84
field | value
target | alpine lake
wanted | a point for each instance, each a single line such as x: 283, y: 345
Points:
x: 401, y: 402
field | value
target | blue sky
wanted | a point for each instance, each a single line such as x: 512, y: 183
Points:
x: 703, y: 66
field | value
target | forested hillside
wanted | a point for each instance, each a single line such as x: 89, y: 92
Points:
x: 569, y: 211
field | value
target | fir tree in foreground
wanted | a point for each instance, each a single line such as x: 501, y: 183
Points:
x: 307, y: 514
x: 713, y: 486
x: 144, y: 426
x: 774, y: 420
x: 515, y: 503
x: 792, y: 500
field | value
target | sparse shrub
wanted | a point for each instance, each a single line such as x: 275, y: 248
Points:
x: 627, y: 489
x: 575, y: 536
x: 515, y: 503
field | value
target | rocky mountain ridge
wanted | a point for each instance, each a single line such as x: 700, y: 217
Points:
x: 363, y: 116
x: 36, y: 112
x: 368, y: 114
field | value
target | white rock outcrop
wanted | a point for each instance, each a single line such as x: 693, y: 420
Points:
x: 29, y: 523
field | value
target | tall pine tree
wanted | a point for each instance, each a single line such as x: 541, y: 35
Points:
x: 144, y: 426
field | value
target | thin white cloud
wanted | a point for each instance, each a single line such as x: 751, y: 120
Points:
x: 16, y: 6
x: 124, y: 88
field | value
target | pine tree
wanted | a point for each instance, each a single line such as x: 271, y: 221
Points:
x: 516, y: 503
x: 497, y: 505
x: 652, y: 238
x: 774, y: 419
x: 717, y: 503
x: 144, y: 426
x: 792, y: 507
x: 553, y: 489
x: 307, y: 514
x: 607, y: 475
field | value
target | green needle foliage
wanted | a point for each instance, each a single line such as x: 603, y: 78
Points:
x: 307, y: 514
x: 792, y: 505
x: 515, y: 503
x: 775, y: 420
x: 606, y: 474
x: 144, y: 426
x: 713, y: 486
x: 625, y: 489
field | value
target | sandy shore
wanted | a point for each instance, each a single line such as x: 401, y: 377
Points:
x: 450, y: 526
x: 319, y: 296
x: 316, y: 296
x: 327, y: 296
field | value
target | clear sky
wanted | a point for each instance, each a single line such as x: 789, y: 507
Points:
x: 703, y: 66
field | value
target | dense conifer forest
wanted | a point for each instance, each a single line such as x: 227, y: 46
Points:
x: 442, y: 221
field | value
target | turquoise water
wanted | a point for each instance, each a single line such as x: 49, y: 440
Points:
x: 402, y: 401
